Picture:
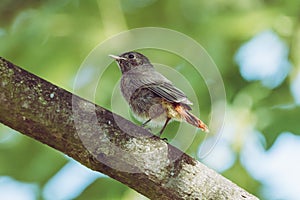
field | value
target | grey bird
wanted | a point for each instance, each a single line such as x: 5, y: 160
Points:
x: 153, y: 98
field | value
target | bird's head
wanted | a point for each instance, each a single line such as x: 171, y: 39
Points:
x: 130, y: 60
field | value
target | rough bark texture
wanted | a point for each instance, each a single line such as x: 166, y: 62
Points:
x: 104, y: 141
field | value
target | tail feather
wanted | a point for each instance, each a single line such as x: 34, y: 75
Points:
x: 192, y: 119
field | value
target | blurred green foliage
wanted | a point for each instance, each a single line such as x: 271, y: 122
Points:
x: 52, y: 38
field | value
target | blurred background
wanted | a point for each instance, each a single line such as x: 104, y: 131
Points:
x: 254, y: 43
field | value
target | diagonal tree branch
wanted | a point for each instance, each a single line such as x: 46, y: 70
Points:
x: 104, y: 141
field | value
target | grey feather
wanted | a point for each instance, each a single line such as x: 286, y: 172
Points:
x: 158, y: 84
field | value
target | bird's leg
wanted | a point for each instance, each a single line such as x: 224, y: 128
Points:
x: 165, y: 125
x: 146, y: 122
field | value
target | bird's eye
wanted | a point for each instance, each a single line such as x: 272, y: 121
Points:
x: 130, y: 56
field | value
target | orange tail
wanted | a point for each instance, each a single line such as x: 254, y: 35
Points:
x: 192, y: 119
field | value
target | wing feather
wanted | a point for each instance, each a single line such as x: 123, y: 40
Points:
x: 161, y: 86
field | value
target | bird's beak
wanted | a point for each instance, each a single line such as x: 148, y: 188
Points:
x: 117, y: 57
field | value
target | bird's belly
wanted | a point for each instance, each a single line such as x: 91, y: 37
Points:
x: 147, y: 105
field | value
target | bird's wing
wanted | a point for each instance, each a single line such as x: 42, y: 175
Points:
x: 161, y: 86
x: 168, y: 92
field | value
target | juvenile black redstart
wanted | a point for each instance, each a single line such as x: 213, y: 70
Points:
x: 151, y: 96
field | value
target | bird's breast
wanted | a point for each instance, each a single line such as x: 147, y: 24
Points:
x: 127, y: 87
